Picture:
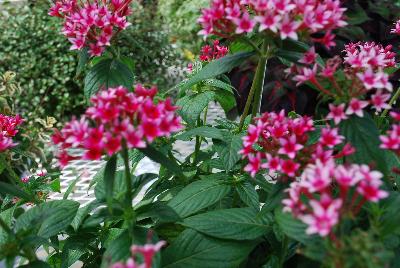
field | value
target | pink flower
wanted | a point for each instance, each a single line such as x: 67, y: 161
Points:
x: 244, y: 24
x: 346, y: 177
x: 91, y: 25
x: 148, y: 251
x: 330, y: 137
x: 288, y: 28
x: 268, y: 22
x: 356, y: 107
x: 369, y: 79
x: 369, y: 184
x: 209, y: 53
x: 117, y: 116
x: 254, y: 164
x: 305, y: 75
x: 396, y: 29
x: 25, y: 179
x: 309, y: 57
x: 323, y: 218
x: 8, y: 129
x: 289, y: 146
x: 289, y: 167
x: 378, y: 100
x: 316, y: 177
x: 336, y: 113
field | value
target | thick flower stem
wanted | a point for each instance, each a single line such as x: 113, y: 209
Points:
x: 197, y: 145
x: 257, y: 87
x: 128, y: 178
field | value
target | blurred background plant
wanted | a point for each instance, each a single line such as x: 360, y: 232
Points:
x: 180, y: 17
x: 32, y: 47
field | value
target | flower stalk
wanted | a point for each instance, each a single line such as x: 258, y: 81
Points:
x: 255, y: 95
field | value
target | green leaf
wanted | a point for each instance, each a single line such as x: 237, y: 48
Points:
x: 160, y: 158
x: 198, y: 195
x: 228, y: 150
x: 71, y: 188
x: 234, y: 223
x: 48, y: 218
x: 204, y: 131
x: 292, y: 227
x: 107, y: 73
x: 7, y: 217
x: 73, y: 249
x: 218, y: 67
x: 109, y: 178
x: 55, y: 185
x: 248, y: 194
x: 119, y: 249
x: 83, y: 59
x: 225, y: 99
x: 159, y: 211
x: 36, y: 264
x: 14, y: 190
x: 119, y: 188
x: 83, y: 213
x: 220, y: 85
x: 195, y: 250
x: 363, y: 134
x: 193, y: 106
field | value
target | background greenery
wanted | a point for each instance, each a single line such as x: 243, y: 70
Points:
x: 32, y: 46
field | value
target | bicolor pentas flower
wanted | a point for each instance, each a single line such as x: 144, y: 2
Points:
x: 286, y: 18
x: 91, y: 24
x: 391, y: 141
x: 327, y: 190
x: 147, y: 251
x: 117, y: 117
x: 281, y: 145
x: 396, y: 29
x: 366, y: 83
x: 209, y: 53
x: 8, y: 130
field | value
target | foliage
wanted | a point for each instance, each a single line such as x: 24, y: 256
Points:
x: 269, y: 190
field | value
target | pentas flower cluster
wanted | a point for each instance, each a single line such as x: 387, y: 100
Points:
x: 8, y: 129
x: 116, y: 118
x: 281, y: 145
x: 91, y: 24
x: 209, y: 53
x: 391, y: 141
x: 366, y: 82
x: 147, y: 251
x: 286, y: 18
x: 316, y: 201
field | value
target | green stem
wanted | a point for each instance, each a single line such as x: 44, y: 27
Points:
x: 256, y: 88
x: 205, y: 116
x: 259, y: 80
x: 128, y: 179
x: 391, y: 102
x: 197, y: 146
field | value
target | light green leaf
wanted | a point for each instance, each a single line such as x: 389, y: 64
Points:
x: 218, y: 67
x: 48, y: 218
x: 234, y: 223
x: 107, y: 73
x: 198, y: 195
x: 228, y: 150
x: 248, y: 194
x: 195, y: 250
x: 193, y: 106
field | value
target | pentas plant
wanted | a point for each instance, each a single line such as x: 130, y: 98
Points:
x: 117, y: 118
x: 285, y: 18
x: 8, y: 129
x: 363, y: 81
x: 92, y: 24
x: 327, y: 191
x: 147, y: 251
x: 209, y: 53
x: 281, y: 145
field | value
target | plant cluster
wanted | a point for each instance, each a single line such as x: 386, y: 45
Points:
x: 274, y: 189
